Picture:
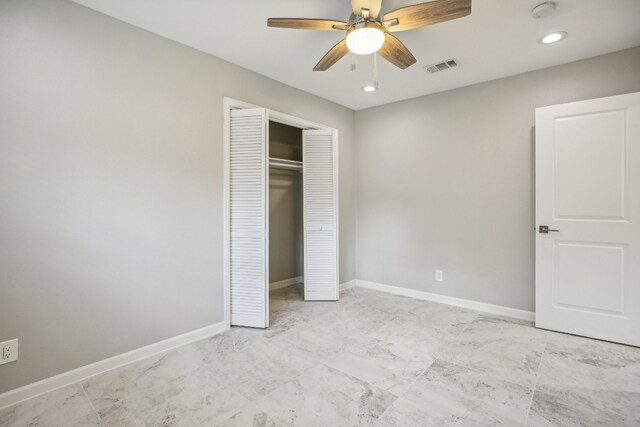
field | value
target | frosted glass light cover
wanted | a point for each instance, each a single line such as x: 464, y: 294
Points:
x: 364, y: 41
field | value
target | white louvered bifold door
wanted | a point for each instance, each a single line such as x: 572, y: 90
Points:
x: 248, y: 172
x: 320, y: 195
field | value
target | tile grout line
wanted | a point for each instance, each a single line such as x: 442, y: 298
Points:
x: 348, y: 348
x: 95, y: 411
x: 535, y: 384
x: 455, y: 337
x: 370, y: 385
x: 385, y: 411
x: 436, y: 357
x: 398, y: 397
x: 418, y: 377
x: 471, y: 369
x: 285, y: 383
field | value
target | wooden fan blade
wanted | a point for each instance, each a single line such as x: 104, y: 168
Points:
x: 395, y: 52
x: 423, y: 14
x: 373, y: 6
x: 307, y: 24
x: 333, y: 56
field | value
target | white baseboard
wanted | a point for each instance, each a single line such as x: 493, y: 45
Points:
x: 346, y: 285
x: 286, y: 282
x: 300, y: 279
x: 444, y: 299
x: 14, y: 396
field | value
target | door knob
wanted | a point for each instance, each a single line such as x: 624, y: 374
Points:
x: 545, y: 229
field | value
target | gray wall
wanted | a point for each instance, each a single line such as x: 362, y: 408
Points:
x: 286, y: 245
x: 446, y: 181
x: 111, y: 184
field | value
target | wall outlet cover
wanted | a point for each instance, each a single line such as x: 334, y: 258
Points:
x: 439, y: 276
x: 8, y: 351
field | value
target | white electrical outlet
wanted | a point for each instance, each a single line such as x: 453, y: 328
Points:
x: 8, y: 351
x: 439, y: 276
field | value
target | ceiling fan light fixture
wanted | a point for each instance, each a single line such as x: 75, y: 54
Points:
x: 365, y: 38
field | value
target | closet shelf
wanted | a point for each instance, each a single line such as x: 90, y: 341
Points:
x: 274, y: 162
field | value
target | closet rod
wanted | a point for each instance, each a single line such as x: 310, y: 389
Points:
x: 285, y: 164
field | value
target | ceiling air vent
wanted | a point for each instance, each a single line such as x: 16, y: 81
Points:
x: 441, y: 66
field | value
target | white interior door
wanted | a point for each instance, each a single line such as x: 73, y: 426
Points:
x: 320, y: 199
x: 588, y: 194
x: 248, y: 217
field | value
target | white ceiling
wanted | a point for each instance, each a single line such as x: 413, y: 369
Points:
x: 498, y: 39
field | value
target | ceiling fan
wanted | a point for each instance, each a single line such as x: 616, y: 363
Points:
x: 368, y: 32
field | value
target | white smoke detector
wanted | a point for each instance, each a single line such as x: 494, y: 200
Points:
x: 543, y: 10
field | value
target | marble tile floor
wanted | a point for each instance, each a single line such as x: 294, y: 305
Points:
x: 370, y: 359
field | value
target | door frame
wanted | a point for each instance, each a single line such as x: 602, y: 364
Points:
x: 272, y: 115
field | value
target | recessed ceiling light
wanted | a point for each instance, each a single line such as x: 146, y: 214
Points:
x: 553, y: 37
x: 369, y: 88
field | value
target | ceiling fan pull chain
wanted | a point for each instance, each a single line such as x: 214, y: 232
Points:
x: 375, y: 70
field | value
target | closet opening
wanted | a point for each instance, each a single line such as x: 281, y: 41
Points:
x: 286, y: 238
x: 280, y: 213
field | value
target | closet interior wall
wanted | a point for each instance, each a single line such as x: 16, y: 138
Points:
x: 285, y: 205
